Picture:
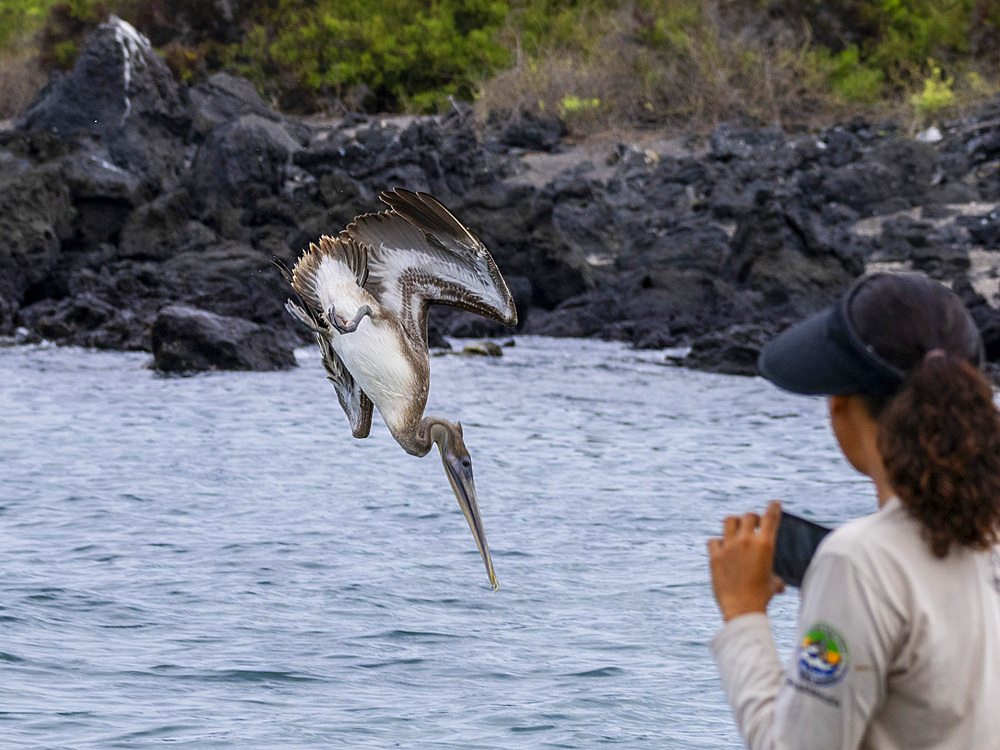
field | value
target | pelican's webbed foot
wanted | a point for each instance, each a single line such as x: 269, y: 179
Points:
x: 302, y: 317
x: 347, y: 326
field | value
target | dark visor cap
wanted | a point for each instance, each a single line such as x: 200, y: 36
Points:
x: 823, y: 355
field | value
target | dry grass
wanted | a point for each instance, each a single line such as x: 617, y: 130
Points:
x: 717, y: 70
x: 20, y: 79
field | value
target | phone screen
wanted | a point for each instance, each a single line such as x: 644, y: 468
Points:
x: 795, y: 546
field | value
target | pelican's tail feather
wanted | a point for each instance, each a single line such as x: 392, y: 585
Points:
x: 310, y: 270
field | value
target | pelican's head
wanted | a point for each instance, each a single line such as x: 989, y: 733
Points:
x: 458, y: 466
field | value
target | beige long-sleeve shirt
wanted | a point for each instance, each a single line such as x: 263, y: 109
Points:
x: 897, y: 649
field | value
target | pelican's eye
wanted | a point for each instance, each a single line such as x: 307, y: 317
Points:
x: 467, y: 463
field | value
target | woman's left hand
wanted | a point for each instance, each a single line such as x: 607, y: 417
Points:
x: 741, y: 562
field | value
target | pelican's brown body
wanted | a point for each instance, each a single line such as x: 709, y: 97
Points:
x: 366, y: 295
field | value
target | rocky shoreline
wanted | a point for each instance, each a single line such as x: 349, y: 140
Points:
x: 142, y: 214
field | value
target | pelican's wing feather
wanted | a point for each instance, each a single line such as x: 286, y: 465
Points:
x: 419, y: 254
x: 355, y: 403
x: 320, y: 265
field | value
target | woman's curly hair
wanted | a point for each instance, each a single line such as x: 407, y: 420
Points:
x: 939, y: 434
x: 940, y: 442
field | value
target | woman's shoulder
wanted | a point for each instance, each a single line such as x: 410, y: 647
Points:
x: 889, y: 533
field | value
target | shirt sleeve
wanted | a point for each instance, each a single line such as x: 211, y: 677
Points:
x: 836, y: 678
x: 751, y: 676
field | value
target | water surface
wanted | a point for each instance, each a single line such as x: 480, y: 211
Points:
x: 214, y: 562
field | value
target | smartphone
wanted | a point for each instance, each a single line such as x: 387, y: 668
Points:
x: 795, y: 546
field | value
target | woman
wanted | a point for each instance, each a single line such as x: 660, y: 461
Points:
x: 899, y: 627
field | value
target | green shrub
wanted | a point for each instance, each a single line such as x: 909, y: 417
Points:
x: 541, y: 26
x: 851, y: 79
x: 68, y: 24
x: 579, y: 111
x: 892, y: 39
x: 407, y: 54
x: 21, y: 18
x: 937, y: 94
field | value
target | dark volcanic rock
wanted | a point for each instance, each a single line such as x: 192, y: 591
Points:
x: 242, y: 161
x: 93, y: 178
x: 11, y: 165
x: 893, y: 175
x: 122, y: 93
x: 186, y: 339
x: 663, y: 308
x: 530, y: 131
x: 987, y: 318
x: 87, y: 320
x: 102, y: 193
x: 230, y: 278
x: 984, y: 230
x: 6, y: 317
x: 733, y: 351
x: 730, y: 141
x: 123, y: 192
x: 36, y: 214
x: 223, y: 97
x: 154, y: 230
x: 784, y: 253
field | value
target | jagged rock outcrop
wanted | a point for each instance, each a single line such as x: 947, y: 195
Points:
x: 122, y: 95
x: 124, y: 192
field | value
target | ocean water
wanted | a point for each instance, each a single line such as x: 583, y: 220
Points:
x: 214, y: 562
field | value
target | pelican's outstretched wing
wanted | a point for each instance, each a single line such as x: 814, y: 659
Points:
x: 311, y: 279
x: 420, y: 254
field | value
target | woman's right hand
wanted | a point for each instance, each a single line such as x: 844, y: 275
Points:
x: 741, y: 561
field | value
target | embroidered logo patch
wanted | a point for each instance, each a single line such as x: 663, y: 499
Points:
x: 822, y: 655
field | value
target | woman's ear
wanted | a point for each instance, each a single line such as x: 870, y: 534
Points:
x: 839, y: 405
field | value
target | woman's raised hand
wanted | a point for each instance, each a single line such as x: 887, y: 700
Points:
x: 741, y: 562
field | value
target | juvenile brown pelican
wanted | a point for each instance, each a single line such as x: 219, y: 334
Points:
x: 366, y: 294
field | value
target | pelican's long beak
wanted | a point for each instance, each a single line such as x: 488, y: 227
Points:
x: 460, y: 476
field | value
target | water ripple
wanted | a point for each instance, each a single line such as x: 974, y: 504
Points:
x: 213, y: 562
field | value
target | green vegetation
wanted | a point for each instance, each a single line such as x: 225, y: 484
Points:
x: 849, y: 78
x: 793, y: 62
x: 20, y: 75
x: 688, y: 63
x: 21, y: 18
x: 396, y: 54
x: 899, y: 44
x: 937, y: 94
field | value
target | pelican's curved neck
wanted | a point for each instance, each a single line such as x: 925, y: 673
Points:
x: 431, y: 430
